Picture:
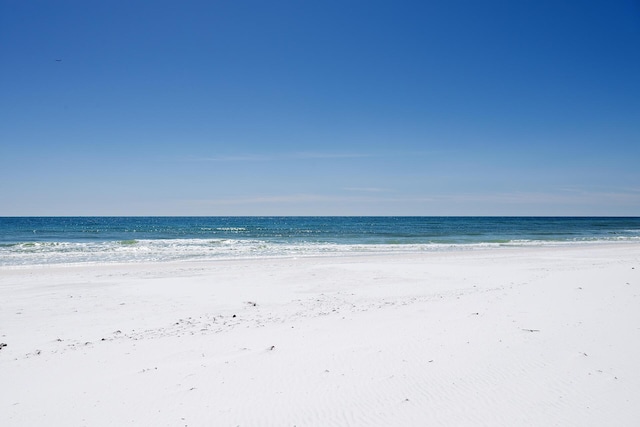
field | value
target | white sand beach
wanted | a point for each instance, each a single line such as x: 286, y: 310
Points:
x: 537, y: 336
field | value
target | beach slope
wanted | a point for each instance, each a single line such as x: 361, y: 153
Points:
x: 503, y: 337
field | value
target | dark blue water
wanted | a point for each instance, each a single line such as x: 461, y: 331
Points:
x: 37, y: 240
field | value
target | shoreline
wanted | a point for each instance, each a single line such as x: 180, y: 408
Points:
x: 516, y: 336
x: 398, y: 250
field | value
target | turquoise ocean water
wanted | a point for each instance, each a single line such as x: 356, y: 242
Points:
x: 64, y: 240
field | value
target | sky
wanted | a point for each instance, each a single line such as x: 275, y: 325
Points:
x: 254, y: 107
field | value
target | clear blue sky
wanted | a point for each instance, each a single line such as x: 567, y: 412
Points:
x: 319, y: 107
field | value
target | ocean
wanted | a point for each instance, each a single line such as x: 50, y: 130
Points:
x: 70, y: 240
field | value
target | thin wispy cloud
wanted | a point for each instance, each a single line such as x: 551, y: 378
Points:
x: 600, y: 189
x: 367, y: 189
x: 305, y: 198
x: 272, y: 199
x: 502, y: 198
x: 321, y: 155
x: 235, y: 158
x: 572, y: 197
x: 278, y: 157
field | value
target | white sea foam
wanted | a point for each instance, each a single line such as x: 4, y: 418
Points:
x: 160, y: 250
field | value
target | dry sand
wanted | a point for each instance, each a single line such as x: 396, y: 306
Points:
x: 499, y: 337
